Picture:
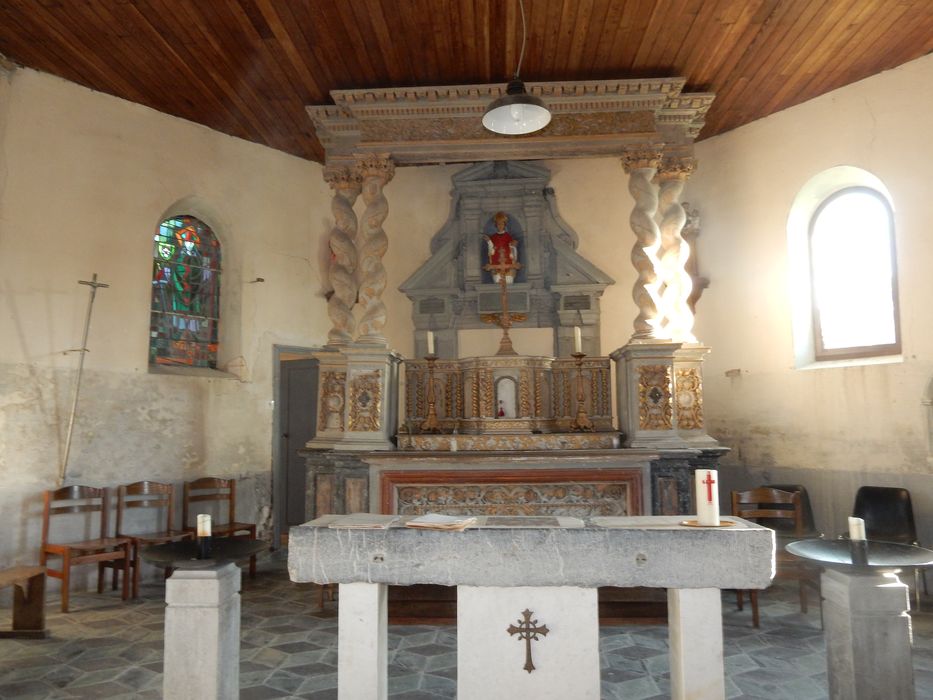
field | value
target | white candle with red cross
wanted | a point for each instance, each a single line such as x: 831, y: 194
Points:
x: 707, y: 485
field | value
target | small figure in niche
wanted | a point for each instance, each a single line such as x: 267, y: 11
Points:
x: 501, y: 412
x: 502, y: 248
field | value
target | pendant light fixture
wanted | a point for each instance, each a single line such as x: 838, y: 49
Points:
x: 517, y: 112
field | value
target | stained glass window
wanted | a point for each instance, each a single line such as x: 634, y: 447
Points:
x: 185, y: 294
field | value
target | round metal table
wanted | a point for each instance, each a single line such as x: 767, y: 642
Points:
x: 882, y: 556
x: 184, y: 554
x: 866, y: 616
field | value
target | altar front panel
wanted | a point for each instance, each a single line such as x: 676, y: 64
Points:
x: 548, y: 491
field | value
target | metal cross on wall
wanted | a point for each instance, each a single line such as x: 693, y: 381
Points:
x: 528, y: 630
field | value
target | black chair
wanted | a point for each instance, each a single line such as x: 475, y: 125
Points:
x: 889, y: 517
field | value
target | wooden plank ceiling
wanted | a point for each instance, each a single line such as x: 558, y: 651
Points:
x: 249, y: 67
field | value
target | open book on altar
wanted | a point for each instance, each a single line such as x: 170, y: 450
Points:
x: 436, y: 521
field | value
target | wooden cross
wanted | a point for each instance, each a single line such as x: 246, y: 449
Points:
x: 709, y: 481
x: 528, y: 630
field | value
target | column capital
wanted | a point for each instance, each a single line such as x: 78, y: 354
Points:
x: 676, y: 167
x: 341, y: 177
x: 641, y: 159
x: 377, y: 165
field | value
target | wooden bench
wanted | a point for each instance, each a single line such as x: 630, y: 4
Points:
x: 28, y: 601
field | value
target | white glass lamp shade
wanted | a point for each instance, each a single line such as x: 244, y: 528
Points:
x: 516, y: 112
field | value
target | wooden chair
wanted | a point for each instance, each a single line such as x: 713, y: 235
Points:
x: 102, y: 549
x: 147, y: 494
x: 220, y: 491
x: 769, y: 506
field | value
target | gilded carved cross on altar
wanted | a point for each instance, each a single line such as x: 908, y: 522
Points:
x: 709, y: 481
x: 502, y: 270
x: 528, y: 630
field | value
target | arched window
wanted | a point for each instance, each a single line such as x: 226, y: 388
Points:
x: 853, y: 276
x: 843, y: 270
x: 185, y: 294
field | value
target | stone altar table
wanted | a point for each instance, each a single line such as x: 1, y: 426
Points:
x: 551, y: 572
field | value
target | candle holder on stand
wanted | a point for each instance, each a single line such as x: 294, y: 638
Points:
x: 859, y: 551
x: 582, y: 422
x: 430, y: 424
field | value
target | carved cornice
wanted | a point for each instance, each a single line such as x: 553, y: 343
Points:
x: 442, y: 123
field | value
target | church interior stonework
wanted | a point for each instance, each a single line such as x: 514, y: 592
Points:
x: 329, y: 284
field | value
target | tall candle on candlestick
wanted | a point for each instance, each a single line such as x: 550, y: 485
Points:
x: 577, y: 339
x: 204, y: 536
x: 707, y: 489
x: 430, y: 342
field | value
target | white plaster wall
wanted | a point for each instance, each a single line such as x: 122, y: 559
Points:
x: 84, y: 180
x: 865, y: 420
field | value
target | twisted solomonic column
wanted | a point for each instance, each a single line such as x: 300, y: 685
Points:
x: 675, y: 251
x: 641, y: 167
x: 371, y: 244
x: 346, y: 185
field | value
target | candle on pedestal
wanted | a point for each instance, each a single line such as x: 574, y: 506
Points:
x: 707, y: 489
x: 204, y: 536
x: 577, y: 339
x: 856, y: 529
x: 430, y: 342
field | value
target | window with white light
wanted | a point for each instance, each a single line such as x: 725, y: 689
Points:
x: 853, y: 276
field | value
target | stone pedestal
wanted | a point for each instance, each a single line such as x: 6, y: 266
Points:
x: 645, y: 394
x: 357, y: 398
x: 695, y: 641
x: 202, y: 634
x: 564, y: 657
x: 362, y: 641
x: 868, y: 638
x: 659, y: 395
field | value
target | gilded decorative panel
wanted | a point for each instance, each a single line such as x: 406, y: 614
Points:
x: 579, y: 499
x: 689, y: 394
x: 366, y: 402
x: 524, y: 393
x: 655, y: 411
x: 333, y: 397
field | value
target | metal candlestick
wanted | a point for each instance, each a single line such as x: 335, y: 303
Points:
x: 430, y: 424
x: 582, y: 422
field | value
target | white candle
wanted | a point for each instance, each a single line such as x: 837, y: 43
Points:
x: 430, y: 342
x: 204, y: 525
x: 856, y: 529
x: 577, y: 339
x: 707, y: 486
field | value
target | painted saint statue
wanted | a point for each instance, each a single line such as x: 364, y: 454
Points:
x: 502, y: 248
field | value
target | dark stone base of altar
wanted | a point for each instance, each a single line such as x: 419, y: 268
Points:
x: 437, y: 605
